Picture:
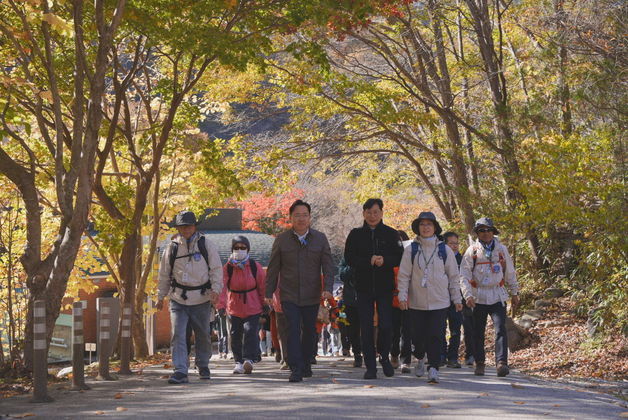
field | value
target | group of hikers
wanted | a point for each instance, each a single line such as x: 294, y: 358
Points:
x: 412, y: 288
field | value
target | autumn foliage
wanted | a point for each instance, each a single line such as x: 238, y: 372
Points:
x: 268, y: 213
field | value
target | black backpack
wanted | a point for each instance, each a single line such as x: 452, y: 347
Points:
x: 174, y: 248
x: 243, y: 293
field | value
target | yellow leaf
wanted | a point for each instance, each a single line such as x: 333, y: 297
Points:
x: 519, y: 402
x: 57, y: 23
x: 369, y: 386
x: 121, y: 409
x: 118, y: 396
x: 21, y: 416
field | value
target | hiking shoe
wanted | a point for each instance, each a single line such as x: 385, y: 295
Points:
x: 502, y: 369
x: 370, y: 374
x: 284, y: 366
x: 387, y: 367
x: 432, y: 376
x: 307, y: 371
x: 453, y: 364
x: 470, y: 361
x: 479, y: 369
x: 406, y: 368
x: 178, y: 378
x: 419, y: 370
x: 203, y: 373
x: 295, y: 377
x: 247, y: 367
x: 238, y: 369
x: 357, y: 361
x: 394, y: 361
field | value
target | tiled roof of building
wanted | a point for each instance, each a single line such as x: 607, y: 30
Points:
x: 261, y: 243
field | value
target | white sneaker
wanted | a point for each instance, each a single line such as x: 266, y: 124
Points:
x: 248, y: 366
x: 419, y: 370
x: 238, y: 369
x: 432, y: 376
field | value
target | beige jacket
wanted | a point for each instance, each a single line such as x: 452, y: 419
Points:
x: 191, y: 271
x: 484, y: 281
x: 442, y: 286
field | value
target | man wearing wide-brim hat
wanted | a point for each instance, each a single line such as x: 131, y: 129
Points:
x: 487, y: 275
x: 190, y: 274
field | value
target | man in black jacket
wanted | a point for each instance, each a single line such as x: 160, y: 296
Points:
x: 372, y: 251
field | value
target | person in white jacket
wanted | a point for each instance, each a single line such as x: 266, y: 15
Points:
x: 428, y: 282
x: 190, y: 274
x: 485, y: 273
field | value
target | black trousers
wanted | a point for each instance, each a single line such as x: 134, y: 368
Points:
x: 301, y: 334
x: 402, y: 336
x: 428, y: 328
x: 497, y: 312
x: 366, y: 307
x: 353, y: 329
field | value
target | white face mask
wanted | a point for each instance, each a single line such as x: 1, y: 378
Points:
x: 239, y: 254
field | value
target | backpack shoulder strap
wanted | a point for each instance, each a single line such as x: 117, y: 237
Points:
x: 415, y: 250
x: 253, y: 266
x: 442, y: 252
x: 203, y: 250
x: 475, y: 257
x: 174, y: 248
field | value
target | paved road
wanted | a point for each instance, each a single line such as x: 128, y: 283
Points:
x: 335, y: 391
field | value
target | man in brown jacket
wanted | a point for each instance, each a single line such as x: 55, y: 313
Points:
x: 298, y: 256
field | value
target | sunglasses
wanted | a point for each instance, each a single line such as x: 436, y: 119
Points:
x: 482, y: 230
x: 240, y: 248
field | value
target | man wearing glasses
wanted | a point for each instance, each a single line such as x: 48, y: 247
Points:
x: 298, y: 257
x: 485, y: 274
x: 373, y: 251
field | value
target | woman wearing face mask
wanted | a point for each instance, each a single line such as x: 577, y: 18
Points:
x: 242, y: 296
x: 428, y: 282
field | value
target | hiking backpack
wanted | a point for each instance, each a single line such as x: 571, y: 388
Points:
x: 202, y: 248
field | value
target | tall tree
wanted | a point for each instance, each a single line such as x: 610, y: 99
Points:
x: 57, y: 58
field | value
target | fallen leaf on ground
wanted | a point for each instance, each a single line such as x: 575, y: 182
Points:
x: 517, y: 386
x: 164, y: 377
x: 117, y: 396
x: 21, y: 416
x: 167, y: 366
x: 624, y: 415
x: 334, y: 380
x: 425, y: 406
x: 99, y: 413
x: 369, y: 386
x: 121, y: 409
x: 556, y: 405
x: 519, y: 402
x: 484, y: 394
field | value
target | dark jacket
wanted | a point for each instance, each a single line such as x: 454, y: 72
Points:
x: 362, y: 243
x: 300, y: 268
x: 348, y: 289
